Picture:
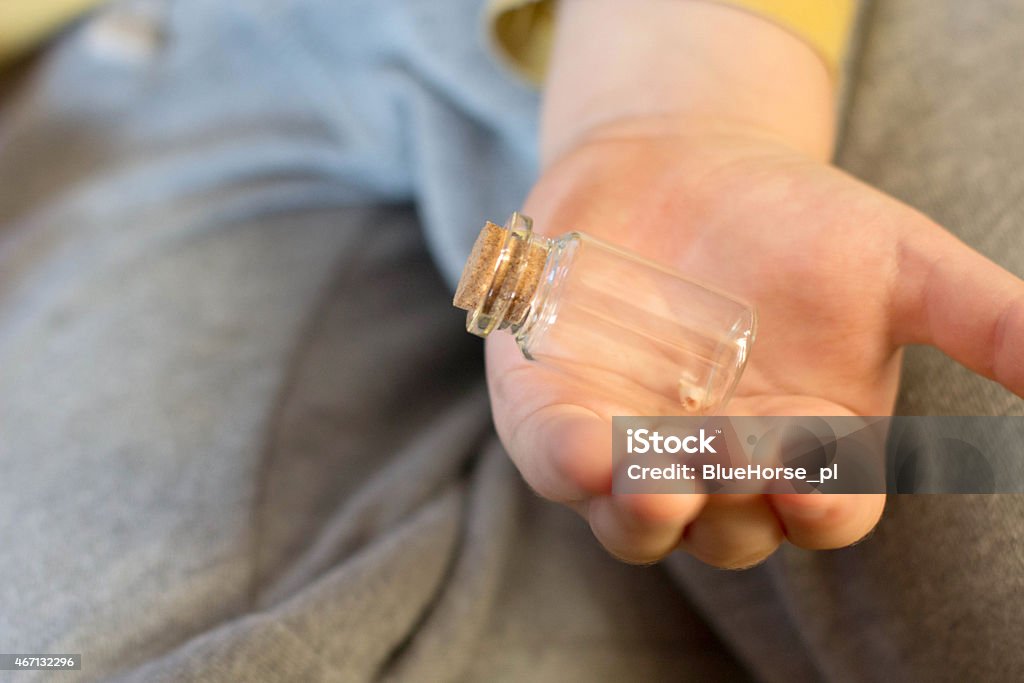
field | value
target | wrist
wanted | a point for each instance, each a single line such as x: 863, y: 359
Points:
x: 676, y: 63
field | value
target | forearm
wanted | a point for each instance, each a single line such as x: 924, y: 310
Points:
x: 668, y: 66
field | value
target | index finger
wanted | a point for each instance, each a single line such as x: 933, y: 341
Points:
x: 558, y: 436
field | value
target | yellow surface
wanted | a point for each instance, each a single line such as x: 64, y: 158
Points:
x: 26, y: 23
x: 521, y: 33
x: 522, y: 30
x: 825, y: 24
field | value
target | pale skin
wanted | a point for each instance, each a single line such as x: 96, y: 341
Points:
x: 699, y: 135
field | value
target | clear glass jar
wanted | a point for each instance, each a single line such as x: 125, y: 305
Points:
x: 658, y: 342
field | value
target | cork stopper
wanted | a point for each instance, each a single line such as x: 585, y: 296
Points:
x: 479, y: 268
x: 501, y: 276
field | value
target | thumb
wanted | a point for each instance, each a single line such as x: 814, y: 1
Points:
x: 949, y: 296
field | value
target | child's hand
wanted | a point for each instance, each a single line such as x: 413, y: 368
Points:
x: 842, y: 276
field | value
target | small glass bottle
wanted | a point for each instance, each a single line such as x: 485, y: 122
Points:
x: 659, y: 343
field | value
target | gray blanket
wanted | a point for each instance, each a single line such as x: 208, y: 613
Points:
x: 243, y: 436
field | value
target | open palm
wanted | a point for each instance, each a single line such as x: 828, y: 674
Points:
x: 842, y: 277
